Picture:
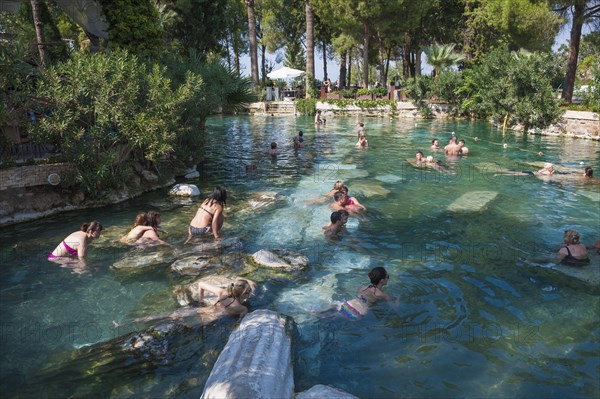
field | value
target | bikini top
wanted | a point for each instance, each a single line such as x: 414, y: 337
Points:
x: 573, y: 261
x: 228, y: 305
x: 361, y: 297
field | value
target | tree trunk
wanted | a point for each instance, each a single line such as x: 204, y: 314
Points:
x: 252, y: 37
x: 386, y: 69
x: 406, y: 56
x: 366, y: 38
x: 310, y: 49
x: 417, y: 68
x: 324, y: 60
x: 236, y: 57
x: 228, y: 52
x: 263, y: 65
x: 349, y: 69
x: 412, y: 61
x: 342, y: 81
x: 39, y: 30
x: 569, y: 84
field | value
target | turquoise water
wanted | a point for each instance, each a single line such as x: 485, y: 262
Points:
x: 473, y: 317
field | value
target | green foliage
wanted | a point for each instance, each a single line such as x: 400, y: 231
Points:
x: 362, y: 104
x: 380, y: 92
x: 512, y: 85
x: 306, y: 106
x: 133, y: 25
x: 347, y: 93
x: 420, y: 89
x: 106, y: 110
x: 221, y: 89
x: 592, y: 96
x: 425, y: 111
x: 295, y: 56
x: 441, y: 57
x: 446, y: 88
x: 200, y: 25
x: 523, y: 24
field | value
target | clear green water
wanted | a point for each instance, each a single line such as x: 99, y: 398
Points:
x: 474, y: 318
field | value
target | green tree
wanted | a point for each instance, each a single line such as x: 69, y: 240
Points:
x: 133, y: 25
x: 200, y: 25
x: 516, y: 24
x: 512, y: 88
x: 581, y: 11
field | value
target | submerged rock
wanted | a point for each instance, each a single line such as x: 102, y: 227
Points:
x: 280, y: 259
x: 474, y: 201
x: 324, y: 391
x: 185, y: 190
x: 588, y: 274
x: 195, y: 265
x: 368, y: 189
x: 189, y: 266
x: 259, y: 201
x: 256, y: 361
x: 188, y: 294
x: 213, y: 247
x: 140, y: 258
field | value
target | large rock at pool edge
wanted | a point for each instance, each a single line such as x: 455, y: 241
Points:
x: 185, y: 190
x: 256, y: 361
x: 280, y: 259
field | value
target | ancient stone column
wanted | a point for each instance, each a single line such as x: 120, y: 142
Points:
x: 256, y: 361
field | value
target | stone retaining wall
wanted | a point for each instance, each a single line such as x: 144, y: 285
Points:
x: 32, y: 175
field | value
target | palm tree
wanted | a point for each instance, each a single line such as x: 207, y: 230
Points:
x: 441, y: 56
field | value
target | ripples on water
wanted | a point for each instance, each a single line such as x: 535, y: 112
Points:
x: 471, y: 319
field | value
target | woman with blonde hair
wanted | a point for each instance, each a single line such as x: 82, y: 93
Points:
x: 230, y: 301
x: 573, y: 253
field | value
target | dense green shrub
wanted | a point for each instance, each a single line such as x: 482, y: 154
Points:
x: 306, y: 106
x: 512, y: 88
x: 380, y: 92
x: 222, y: 88
x: 420, y: 88
x: 446, y: 88
x: 592, y: 95
x: 133, y: 25
x: 104, y: 111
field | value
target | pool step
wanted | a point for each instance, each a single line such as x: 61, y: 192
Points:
x: 280, y: 107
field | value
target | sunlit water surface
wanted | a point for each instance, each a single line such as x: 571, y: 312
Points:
x: 472, y: 317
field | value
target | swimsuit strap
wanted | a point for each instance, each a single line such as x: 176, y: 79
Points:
x: 207, y: 211
x: 568, y: 251
x: 230, y: 303
x: 69, y: 249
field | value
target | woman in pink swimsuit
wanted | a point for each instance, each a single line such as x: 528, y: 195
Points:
x: 75, y: 245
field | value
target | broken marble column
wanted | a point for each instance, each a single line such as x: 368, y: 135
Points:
x: 256, y: 361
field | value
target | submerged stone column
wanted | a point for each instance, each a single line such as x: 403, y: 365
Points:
x: 256, y: 361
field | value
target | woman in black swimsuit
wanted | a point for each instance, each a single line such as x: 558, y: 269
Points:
x: 573, y: 253
x: 209, y: 216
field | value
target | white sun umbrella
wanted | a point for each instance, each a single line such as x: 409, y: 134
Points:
x: 285, y: 73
